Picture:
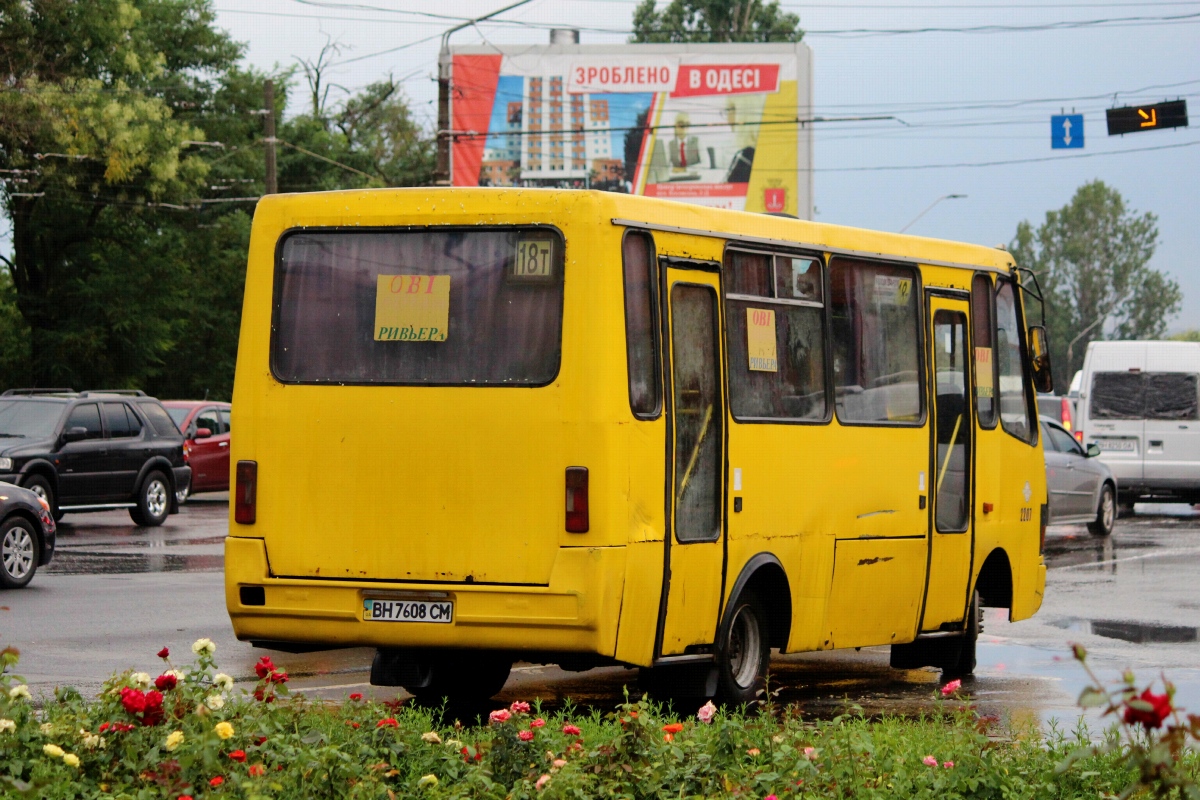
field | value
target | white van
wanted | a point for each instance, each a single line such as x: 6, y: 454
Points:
x: 1139, y: 402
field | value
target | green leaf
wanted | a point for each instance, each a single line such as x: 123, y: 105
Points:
x: 1092, y: 697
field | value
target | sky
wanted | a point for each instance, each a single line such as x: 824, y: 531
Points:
x: 970, y: 86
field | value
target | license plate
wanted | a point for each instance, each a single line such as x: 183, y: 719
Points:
x: 379, y: 610
x: 1118, y: 445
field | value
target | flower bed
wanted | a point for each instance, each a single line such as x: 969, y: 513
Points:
x: 187, y: 734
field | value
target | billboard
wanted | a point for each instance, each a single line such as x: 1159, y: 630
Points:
x: 725, y: 125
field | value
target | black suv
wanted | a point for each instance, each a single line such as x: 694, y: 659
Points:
x: 89, y: 451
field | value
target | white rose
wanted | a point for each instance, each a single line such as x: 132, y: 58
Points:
x: 177, y: 674
x: 140, y: 679
x: 222, y: 681
x: 214, y: 701
x: 204, y: 647
x: 21, y: 691
x: 7, y: 726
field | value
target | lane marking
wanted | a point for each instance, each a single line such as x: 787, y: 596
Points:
x: 1160, y: 554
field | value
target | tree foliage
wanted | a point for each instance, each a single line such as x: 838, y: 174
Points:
x: 714, y: 21
x: 1092, y: 259
x: 130, y: 161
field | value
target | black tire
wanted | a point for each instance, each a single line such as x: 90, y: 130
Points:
x: 962, y: 664
x: 743, y: 652
x: 463, y: 677
x: 153, y: 501
x: 40, y: 486
x: 18, y: 552
x: 1106, y: 512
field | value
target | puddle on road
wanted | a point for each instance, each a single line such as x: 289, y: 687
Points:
x: 157, y: 541
x: 1130, y: 631
x: 74, y: 563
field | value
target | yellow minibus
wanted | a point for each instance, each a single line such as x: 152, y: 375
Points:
x: 477, y: 426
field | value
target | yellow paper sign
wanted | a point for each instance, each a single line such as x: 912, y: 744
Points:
x: 760, y: 340
x: 412, y: 308
x: 983, y: 372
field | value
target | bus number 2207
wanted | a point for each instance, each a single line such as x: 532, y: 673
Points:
x: 408, y: 611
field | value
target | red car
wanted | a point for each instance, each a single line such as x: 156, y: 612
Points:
x: 205, y: 426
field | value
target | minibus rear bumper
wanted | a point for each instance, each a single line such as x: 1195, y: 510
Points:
x: 576, y: 612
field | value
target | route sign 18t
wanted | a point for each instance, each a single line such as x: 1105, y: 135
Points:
x: 1131, y: 119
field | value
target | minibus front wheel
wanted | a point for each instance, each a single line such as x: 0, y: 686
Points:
x: 743, y: 651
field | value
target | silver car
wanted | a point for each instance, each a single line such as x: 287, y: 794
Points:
x: 1082, y: 487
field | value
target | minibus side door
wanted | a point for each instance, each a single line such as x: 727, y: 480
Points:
x: 694, y: 543
x: 952, y: 453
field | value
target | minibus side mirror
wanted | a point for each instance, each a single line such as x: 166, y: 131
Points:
x: 1093, y: 450
x: 1039, y: 352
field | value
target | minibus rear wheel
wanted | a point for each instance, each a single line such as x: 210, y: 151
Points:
x: 743, y: 652
x: 464, y: 675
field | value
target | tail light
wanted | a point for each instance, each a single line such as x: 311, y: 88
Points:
x: 245, y: 509
x: 1067, y: 422
x: 577, y: 500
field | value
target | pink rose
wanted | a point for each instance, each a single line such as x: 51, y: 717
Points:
x: 541, y: 782
x: 537, y: 723
x: 499, y: 715
x: 929, y: 761
x: 519, y: 707
x: 951, y: 687
x: 525, y: 736
x: 948, y: 764
x: 571, y: 730
x: 706, y: 712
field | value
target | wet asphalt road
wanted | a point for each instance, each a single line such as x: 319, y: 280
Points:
x: 116, y: 593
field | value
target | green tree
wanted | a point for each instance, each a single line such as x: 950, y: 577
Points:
x: 714, y: 21
x: 90, y: 143
x: 1092, y: 259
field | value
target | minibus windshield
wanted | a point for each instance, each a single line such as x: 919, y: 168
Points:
x: 429, y: 306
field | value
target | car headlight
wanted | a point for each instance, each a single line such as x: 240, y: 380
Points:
x: 5, y: 464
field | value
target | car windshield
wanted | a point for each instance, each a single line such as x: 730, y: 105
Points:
x: 28, y: 417
x: 178, y: 415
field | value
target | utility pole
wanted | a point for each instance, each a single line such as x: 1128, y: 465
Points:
x: 271, y: 187
x: 441, y: 176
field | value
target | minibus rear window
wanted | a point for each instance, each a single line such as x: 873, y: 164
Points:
x: 430, y: 306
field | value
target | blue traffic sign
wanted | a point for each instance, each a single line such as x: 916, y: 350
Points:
x: 1066, y: 130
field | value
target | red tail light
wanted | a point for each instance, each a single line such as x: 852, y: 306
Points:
x: 1067, y: 422
x: 577, y: 500
x: 245, y: 509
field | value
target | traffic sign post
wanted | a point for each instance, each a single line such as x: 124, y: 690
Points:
x: 1132, y: 119
x: 1066, y: 131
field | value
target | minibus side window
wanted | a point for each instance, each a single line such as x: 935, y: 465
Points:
x: 776, y: 336
x: 876, y: 342
x: 1014, y: 392
x: 985, y: 353
x: 641, y: 329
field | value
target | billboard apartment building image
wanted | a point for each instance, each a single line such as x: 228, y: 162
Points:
x: 722, y: 125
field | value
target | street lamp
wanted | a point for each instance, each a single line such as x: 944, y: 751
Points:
x: 930, y: 206
x: 442, y: 174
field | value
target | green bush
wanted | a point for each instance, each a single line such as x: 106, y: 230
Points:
x: 188, y: 733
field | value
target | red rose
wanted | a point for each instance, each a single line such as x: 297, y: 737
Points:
x: 525, y: 736
x: 279, y: 677
x: 390, y: 722
x: 133, y: 700
x: 1160, y: 709
x: 154, y: 708
x: 256, y: 770
x: 238, y: 756
x: 571, y: 730
x: 103, y: 727
x: 264, y: 667
x: 164, y: 653
x: 217, y: 781
x: 261, y: 739
x: 356, y: 696
x: 165, y: 683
